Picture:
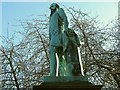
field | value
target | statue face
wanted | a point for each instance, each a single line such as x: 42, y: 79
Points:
x: 53, y: 6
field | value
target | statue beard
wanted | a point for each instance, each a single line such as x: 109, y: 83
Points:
x: 52, y: 12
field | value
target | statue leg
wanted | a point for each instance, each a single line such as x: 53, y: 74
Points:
x: 61, y: 68
x: 69, y: 65
x: 75, y: 61
x: 53, y: 61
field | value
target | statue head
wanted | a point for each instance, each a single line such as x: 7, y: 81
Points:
x: 53, y: 8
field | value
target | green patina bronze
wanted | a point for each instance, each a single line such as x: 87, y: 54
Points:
x: 63, y: 44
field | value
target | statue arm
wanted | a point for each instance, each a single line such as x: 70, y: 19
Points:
x: 63, y: 17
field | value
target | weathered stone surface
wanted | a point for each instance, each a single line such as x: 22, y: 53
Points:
x: 69, y: 83
x: 51, y: 79
x: 68, y: 86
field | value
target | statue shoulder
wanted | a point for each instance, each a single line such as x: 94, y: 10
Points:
x: 60, y: 10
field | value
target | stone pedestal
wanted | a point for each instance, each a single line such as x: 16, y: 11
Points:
x: 67, y: 83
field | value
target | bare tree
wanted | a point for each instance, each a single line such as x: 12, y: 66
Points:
x: 100, y: 63
x: 29, y: 60
x: 7, y: 59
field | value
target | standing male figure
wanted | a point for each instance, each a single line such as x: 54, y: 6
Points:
x: 57, y: 25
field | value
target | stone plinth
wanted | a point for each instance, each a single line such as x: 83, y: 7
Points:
x: 67, y: 83
x: 64, y: 79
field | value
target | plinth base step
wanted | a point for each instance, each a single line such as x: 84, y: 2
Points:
x: 66, y: 83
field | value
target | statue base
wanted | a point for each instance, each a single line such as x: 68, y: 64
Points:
x: 66, y: 82
x: 63, y: 79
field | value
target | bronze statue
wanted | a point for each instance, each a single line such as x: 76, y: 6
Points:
x: 56, y: 28
x: 63, y: 44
